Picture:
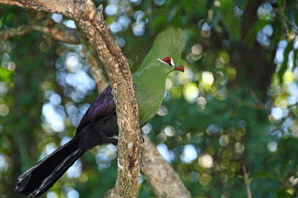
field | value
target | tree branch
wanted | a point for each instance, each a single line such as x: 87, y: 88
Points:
x: 58, y: 31
x: 164, y: 180
x: 243, y: 102
x: 247, y: 181
x: 90, y: 20
x: 278, y: 11
x: 11, y: 32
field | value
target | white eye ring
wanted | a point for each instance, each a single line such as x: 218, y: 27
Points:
x: 172, y: 62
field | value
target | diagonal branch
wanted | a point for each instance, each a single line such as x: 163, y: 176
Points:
x: 164, y: 180
x: 12, y: 32
x: 58, y: 31
x: 278, y: 11
x: 247, y: 181
x: 90, y: 20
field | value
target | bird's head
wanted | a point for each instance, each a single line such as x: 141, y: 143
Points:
x: 166, y: 49
x: 170, y: 62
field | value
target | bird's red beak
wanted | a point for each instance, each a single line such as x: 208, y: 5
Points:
x: 181, y: 68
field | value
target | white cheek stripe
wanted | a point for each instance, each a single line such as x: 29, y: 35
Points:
x: 172, y: 61
x: 161, y: 60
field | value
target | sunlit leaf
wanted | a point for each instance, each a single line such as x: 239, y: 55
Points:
x: 4, y: 74
x: 284, y: 66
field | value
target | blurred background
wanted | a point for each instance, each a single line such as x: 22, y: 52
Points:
x: 234, y: 107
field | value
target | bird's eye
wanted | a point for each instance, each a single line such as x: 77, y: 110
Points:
x: 167, y: 60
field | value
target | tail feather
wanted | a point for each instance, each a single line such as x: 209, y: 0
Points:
x: 42, y: 176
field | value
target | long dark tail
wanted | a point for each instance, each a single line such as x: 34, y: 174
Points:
x: 42, y: 176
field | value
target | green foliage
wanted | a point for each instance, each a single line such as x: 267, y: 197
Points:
x: 284, y: 66
x: 5, y: 75
x: 230, y: 21
x: 223, y: 105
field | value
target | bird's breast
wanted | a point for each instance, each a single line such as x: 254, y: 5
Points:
x: 149, y: 102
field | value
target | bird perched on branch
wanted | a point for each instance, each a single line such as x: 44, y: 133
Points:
x: 99, y: 124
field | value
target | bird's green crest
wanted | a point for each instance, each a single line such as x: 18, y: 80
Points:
x: 168, y: 43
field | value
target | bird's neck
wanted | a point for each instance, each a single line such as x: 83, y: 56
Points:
x: 150, y: 88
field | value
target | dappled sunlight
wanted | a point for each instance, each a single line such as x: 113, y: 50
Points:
x: 234, y: 106
x: 52, y: 194
x: 4, y: 110
x: 165, y: 152
x: 272, y: 146
x: 207, y: 78
x: 169, y: 131
x: 189, y: 154
x: 206, y: 161
x: 3, y: 163
x: 72, y: 193
x: 75, y: 170
x: 53, y: 117
x: 191, y: 92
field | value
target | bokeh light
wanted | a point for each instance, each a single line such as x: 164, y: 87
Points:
x: 206, y: 161
x: 191, y: 92
x: 165, y: 152
x: 75, y: 170
x: 207, y: 78
x: 189, y: 154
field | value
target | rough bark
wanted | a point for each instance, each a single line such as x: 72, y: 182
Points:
x: 58, y: 31
x: 164, y: 180
x: 90, y: 20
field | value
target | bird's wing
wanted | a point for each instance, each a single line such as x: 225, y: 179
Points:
x: 102, y: 107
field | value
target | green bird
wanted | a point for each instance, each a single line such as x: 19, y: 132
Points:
x: 99, y: 124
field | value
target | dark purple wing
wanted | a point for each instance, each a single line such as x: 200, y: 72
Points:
x: 102, y: 107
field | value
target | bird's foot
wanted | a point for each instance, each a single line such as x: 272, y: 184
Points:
x: 142, y: 165
x: 142, y: 140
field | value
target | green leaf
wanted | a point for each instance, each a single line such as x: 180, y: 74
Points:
x: 294, y: 59
x: 280, y: 2
x: 262, y: 174
x: 209, y: 4
x: 291, y: 15
x: 229, y: 19
x: 296, y: 17
x: 250, y: 38
x: 4, y: 74
x: 240, y: 3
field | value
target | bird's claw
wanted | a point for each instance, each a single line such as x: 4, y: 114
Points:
x: 142, y: 165
x: 142, y: 140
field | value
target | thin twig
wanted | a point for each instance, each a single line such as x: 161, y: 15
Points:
x: 278, y: 127
x: 286, y: 19
x: 256, y: 99
x: 243, y: 102
x: 12, y: 32
x: 91, y: 21
x: 293, y: 105
x: 57, y: 31
x: 247, y: 183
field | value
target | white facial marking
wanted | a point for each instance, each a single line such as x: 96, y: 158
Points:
x: 161, y: 61
x: 172, y: 62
